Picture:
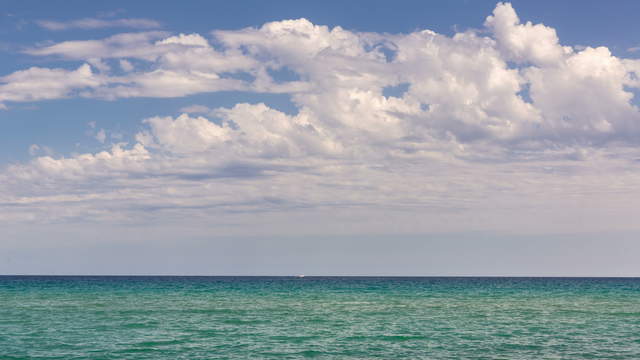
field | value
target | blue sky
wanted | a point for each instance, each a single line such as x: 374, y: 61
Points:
x: 305, y: 129
x: 594, y: 25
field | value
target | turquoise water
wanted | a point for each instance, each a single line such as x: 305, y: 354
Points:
x: 324, y: 318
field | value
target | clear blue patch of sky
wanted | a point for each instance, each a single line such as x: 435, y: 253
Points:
x: 396, y: 90
x: 584, y: 22
x: 283, y: 74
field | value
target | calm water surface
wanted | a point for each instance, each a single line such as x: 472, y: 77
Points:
x: 317, y: 317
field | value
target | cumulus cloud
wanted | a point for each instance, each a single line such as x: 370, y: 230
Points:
x: 585, y: 98
x: 464, y: 86
x: 106, y: 163
x: 184, y: 134
x: 537, y: 44
x: 496, y: 116
x: 94, y: 23
x: 38, y: 83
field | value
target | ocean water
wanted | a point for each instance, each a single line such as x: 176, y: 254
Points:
x: 318, y: 317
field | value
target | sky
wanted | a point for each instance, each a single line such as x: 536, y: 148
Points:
x: 278, y: 138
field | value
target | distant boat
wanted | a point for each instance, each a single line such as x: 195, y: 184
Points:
x: 300, y: 276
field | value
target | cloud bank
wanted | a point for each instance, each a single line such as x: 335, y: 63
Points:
x: 481, y: 130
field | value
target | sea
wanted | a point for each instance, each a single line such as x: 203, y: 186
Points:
x: 173, y: 317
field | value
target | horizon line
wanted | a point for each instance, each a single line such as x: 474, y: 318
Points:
x: 333, y: 276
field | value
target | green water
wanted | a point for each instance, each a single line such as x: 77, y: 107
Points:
x: 324, y: 318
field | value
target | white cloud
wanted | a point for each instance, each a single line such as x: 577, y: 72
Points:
x: 262, y: 131
x: 93, y: 23
x: 473, y: 134
x: 101, y: 136
x: 184, y: 134
x: 100, y: 65
x: 126, y: 45
x: 33, y: 149
x: 41, y: 83
x: 166, y: 83
x: 185, y: 39
x: 537, y: 44
x: 584, y: 98
x: 182, y: 65
x: 246, y: 130
x: 83, y: 166
x: 125, y: 65
x: 461, y: 87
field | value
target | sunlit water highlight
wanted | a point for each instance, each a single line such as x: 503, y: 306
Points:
x: 342, y: 318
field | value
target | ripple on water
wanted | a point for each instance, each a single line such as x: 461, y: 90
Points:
x: 188, y: 318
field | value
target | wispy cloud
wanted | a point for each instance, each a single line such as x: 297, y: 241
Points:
x: 94, y: 23
x: 195, y: 109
